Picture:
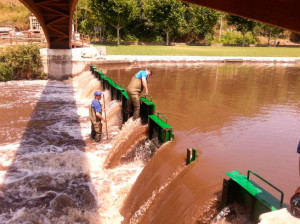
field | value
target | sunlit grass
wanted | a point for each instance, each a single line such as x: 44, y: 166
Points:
x: 184, y: 50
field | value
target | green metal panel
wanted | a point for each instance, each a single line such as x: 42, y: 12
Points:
x: 159, y: 130
x: 159, y: 122
x: 256, y: 199
x: 106, y: 83
x: 255, y: 190
x: 98, y: 74
x: 93, y: 68
x: 147, y: 108
x: 116, y: 91
x: 125, y: 103
x: 191, y: 156
x: 125, y: 95
x: 102, y: 78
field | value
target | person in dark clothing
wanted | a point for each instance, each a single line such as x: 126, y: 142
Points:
x: 138, y: 82
x: 95, y: 115
x: 295, y: 199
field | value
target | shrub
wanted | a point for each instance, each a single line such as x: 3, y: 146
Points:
x: 237, y: 38
x: 21, y: 62
x: 131, y: 38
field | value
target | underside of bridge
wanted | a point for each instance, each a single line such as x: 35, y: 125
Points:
x: 281, y: 13
x: 55, y: 16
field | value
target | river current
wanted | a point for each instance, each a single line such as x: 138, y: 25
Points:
x: 237, y: 117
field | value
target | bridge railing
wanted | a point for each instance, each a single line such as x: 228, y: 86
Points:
x: 24, y: 38
x: 80, y: 40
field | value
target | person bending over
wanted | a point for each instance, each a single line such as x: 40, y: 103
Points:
x: 138, y: 82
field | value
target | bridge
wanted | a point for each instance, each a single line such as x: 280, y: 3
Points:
x: 55, y: 16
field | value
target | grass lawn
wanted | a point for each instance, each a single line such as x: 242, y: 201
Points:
x: 203, y: 51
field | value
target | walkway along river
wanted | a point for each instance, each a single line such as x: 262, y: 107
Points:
x: 237, y: 116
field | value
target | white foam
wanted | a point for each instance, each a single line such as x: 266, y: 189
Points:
x: 62, y: 114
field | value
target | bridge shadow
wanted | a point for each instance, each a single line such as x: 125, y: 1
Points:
x: 48, y: 177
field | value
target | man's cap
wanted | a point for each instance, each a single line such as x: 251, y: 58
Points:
x: 97, y: 93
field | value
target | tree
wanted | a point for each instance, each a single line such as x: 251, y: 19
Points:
x: 86, y: 19
x: 241, y: 24
x: 270, y: 31
x: 117, y: 13
x: 167, y: 15
x: 295, y: 37
x: 200, y: 21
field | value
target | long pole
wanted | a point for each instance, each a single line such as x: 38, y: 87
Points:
x: 105, y: 116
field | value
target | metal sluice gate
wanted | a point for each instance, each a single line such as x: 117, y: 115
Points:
x: 159, y: 129
x: 255, y: 199
x: 238, y: 188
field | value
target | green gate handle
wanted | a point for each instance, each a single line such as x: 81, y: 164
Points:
x: 149, y: 96
x: 282, y: 195
x: 163, y: 116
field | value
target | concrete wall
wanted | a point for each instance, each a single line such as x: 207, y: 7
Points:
x: 61, y: 64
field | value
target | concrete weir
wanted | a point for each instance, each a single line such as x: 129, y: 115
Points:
x: 61, y: 64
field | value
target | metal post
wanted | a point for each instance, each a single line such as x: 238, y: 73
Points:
x: 188, y: 156
x: 105, y: 116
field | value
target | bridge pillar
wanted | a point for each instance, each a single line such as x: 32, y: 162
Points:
x: 62, y: 64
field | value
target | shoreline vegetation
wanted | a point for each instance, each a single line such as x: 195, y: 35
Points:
x: 21, y: 62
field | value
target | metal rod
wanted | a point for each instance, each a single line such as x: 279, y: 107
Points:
x: 162, y: 116
x: 282, y: 195
x: 105, y: 116
x: 188, y: 157
x: 148, y: 96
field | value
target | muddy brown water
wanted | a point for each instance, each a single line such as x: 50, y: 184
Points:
x: 237, y: 116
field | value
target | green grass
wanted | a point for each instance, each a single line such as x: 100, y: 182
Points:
x: 183, y: 50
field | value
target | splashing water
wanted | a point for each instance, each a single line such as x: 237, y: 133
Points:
x: 135, y: 218
x: 133, y: 133
x: 51, y: 172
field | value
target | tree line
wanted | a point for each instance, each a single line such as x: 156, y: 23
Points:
x: 166, y: 21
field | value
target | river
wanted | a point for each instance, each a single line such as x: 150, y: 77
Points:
x: 237, y: 117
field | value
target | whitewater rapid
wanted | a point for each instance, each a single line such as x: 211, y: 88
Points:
x: 51, y: 172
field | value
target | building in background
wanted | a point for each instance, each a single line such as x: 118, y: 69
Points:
x: 35, y: 26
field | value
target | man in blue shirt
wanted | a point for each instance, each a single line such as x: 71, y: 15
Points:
x: 95, y: 115
x: 138, y: 82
